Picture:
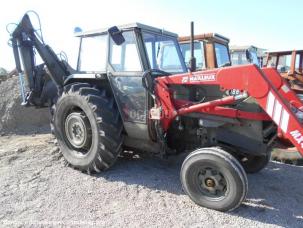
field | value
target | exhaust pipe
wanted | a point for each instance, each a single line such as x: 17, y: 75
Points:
x: 192, y: 61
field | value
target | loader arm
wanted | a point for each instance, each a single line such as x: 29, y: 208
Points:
x: 270, y: 91
x: 25, y: 43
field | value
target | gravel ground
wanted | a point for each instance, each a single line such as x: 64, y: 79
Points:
x: 38, y: 190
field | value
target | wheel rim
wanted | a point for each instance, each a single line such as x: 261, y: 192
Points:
x: 211, y: 183
x: 77, y: 130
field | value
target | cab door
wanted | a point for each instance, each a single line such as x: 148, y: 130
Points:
x: 125, y: 70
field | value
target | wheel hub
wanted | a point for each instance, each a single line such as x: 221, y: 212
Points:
x: 212, y: 182
x: 76, y: 129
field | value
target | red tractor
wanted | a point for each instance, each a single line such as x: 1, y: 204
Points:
x: 132, y: 91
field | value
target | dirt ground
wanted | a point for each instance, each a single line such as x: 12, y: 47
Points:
x: 37, y: 189
x: 15, y: 118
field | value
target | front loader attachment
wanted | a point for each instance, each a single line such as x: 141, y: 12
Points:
x: 270, y: 91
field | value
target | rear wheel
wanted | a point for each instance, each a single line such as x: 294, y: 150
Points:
x: 214, y: 179
x: 88, y: 127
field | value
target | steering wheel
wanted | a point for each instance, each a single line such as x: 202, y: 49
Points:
x: 149, y: 76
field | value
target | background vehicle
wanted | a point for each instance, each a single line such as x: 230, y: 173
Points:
x: 246, y: 54
x: 211, y: 50
x: 136, y: 94
x: 289, y: 65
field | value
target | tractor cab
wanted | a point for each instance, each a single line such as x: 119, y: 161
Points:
x: 286, y: 62
x: 121, y: 54
x: 140, y: 47
x: 210, y: 50
x: 242, y: 55
x: 289, y: 64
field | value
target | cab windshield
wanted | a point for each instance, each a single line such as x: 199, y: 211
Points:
x: 163, y: 53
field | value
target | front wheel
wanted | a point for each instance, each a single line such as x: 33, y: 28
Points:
x: 214, y: 179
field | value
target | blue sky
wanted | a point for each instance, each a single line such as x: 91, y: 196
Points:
x: 270, y: 24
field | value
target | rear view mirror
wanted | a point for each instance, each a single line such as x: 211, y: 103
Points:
x: 248, y: 56
x: 116, y: 35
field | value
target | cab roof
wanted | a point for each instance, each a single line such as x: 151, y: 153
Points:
x: 205, y: 36
x: 127, y: 27
x: 284, y: 52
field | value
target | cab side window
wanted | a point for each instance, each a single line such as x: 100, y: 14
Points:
x: 93, y: 53
x: 125, y: 57
x: 222, y: 55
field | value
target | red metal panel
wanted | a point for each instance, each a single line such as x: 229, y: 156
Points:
x: 271, y: 93
x: 282, y: 86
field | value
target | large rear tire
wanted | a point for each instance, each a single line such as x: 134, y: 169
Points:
x: 88, y: 127
x: 214, y: 179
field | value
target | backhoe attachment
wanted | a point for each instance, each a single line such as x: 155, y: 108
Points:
x: 44, y: 81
